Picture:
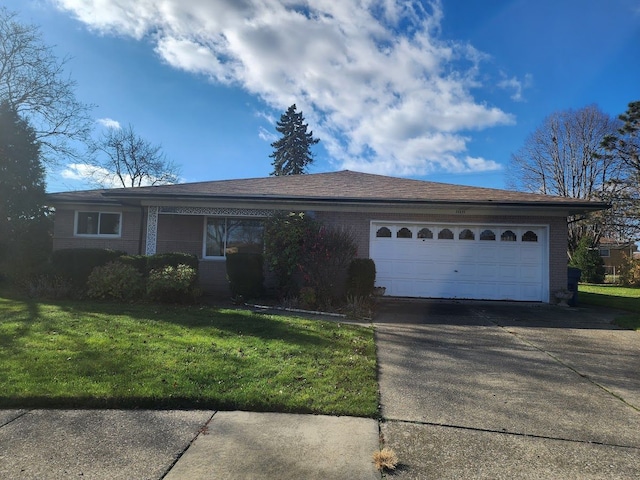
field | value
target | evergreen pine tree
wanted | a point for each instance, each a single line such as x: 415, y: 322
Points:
x: 587, y: 258
x: 23, y: 222
x: 292, y: 152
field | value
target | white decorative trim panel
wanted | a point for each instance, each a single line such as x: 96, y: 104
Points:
x: 217, y: 212
x: 152, y: 230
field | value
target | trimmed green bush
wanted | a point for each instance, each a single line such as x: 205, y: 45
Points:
x: 139, y: 262
x: 76, y: 264
x: 245, y: 272
x: 115, y: 280
x: 161, y: 260
x: 172, y: 284
x: 361, y: 277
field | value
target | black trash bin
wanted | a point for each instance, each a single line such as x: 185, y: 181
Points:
x: 573, y: 278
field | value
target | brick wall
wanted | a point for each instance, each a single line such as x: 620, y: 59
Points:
x: 129, y: 241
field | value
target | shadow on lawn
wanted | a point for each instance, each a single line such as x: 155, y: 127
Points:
x: 232, y: 321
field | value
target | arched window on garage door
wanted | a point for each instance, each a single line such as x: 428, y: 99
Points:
x: 466, y: 234
x: 383, y: 232
x: 445, y: 234
x: 529, y: 236
x: 487, y: 235
x: 508, y: 236
x: 404, y: 232
x: 425, y: 233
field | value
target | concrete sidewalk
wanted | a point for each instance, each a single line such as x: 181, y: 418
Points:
x: 190, y: 445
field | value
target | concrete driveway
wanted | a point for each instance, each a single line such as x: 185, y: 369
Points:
x: 481, y: 390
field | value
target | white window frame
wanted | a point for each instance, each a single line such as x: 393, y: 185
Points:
x: 97, y: 235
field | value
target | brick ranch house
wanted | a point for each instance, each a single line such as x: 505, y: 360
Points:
x: 427, y: 239
x: 616, y: 253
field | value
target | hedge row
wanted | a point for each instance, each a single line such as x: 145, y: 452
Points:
x: 99, y: 270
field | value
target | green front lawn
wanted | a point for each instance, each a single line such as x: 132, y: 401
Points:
x: 613, y: 296
x: 93, y: 354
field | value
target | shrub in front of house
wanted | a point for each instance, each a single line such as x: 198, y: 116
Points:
x: 172, y: 284
x: 326, y: 254
x: 139, y: 262
x: 361, y: 277
x: 161, y: 260
x: 245, y: 272
x: 284, y: 236
x: 115, y: 280
x: 76, y: 264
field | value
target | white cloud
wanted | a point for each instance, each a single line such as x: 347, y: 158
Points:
x: 374, y: 79
x: 267, y: 135
x: 109, y: 123
x: 516, y: 85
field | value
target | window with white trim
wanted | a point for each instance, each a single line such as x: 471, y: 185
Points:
x: 107, y: 224
x: 233, y: 235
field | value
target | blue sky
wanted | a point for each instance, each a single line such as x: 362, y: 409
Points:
x: 443, y: 91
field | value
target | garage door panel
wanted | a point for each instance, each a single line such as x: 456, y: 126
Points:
x: 464, y: 272
x: 530, y: 255
x: 488, y: 272
x: 495, y: 268
x: 508, y: 273
x: 487, y: 253
x: 404, y: 269
x: 508, y: 292
x: 507, y: 253
x: 530, y: 292
x: 530, y: 273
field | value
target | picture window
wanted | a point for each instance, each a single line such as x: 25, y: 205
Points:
x: 224, y: 236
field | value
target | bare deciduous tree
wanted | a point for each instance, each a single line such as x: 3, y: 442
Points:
x: 124, y: 156
x: 33, y: 82
x: 564, y: 157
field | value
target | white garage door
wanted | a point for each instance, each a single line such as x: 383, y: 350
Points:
x: 491, y: 262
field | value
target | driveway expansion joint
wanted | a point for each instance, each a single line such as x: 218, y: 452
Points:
x: 203, y: 430
x: 504, y: 432
x: 16, y: 418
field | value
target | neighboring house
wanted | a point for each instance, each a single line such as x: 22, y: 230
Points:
x: 427, y: 239
x: 616, y: 253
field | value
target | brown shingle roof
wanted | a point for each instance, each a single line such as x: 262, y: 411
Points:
x: 342, y: 186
